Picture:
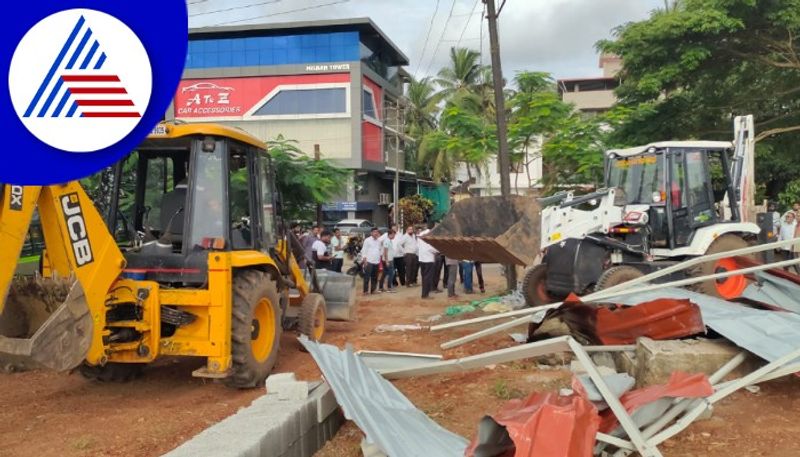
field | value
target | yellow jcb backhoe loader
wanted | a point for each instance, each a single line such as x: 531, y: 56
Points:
x: 191, y: 260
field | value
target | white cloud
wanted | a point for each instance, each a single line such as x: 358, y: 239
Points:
x: 556, y: 36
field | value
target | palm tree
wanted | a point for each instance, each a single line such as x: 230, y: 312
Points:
x: 423, y: 107
x: 464, y: 73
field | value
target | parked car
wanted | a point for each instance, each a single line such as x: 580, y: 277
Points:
x: 361, y: 227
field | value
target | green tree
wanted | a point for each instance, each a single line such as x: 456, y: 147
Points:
x: 422, y: 109
x: 463, y: 74
x: 415, y: 209
x: 303, y: 182
x: 464, y: 136
x: 689, y: 68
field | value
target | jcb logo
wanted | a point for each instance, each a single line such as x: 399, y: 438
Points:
x: 76, y: 227
x: 15, y: 202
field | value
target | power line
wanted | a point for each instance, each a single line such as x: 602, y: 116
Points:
x: 427, y: 36
x: 234, y: 8
x: 466, y: 24
x: 483, y: 16
x: 439, y: 41
x: 307, y: 8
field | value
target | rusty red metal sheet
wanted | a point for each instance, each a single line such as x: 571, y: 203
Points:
x: 661, y: 319
x: 680, y: 385
x: 543, y: 424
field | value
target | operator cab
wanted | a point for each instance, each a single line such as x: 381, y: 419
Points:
x: 667, y: 191
x: 188, y: 189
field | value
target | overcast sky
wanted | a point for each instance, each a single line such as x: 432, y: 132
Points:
x: 557, y: 36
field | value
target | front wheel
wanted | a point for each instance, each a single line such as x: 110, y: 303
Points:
x: 727, y: 288
x: 313, y: 315
x: 617, y: 275
x: 534, y: 286
x: 255, y: 329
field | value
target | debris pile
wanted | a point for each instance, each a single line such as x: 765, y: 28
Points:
x: 612, y: 407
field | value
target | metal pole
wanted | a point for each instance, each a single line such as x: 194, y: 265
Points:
x: 500, y: 107
x: 396, y: 196
x: 319, y: 206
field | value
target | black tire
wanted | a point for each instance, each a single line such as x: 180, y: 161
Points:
x: 534, y: 286
x: 111, y: 372
x: 725, y: 288
x: 617, y: 275
x: 313, y: 315
x: 255, y: 329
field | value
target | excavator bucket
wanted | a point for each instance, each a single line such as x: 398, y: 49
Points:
x: 490, y: 230
x: 339, y: 291
x: 31, y: 337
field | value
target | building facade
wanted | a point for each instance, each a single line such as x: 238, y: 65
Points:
x: 593, y: 94
x: 331, y: 86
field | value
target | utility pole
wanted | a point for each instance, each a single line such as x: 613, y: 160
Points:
x: 319, y: 206
x: 503, y: 158
x: 396, y: 196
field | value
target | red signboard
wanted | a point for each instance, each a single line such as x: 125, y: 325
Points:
x: 234, y: 97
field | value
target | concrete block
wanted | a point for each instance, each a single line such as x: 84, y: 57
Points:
x: 626, y: 362
x: 270, y: 427
x: 326, y: 401
x: 657, y: 360
x: 287, y: 387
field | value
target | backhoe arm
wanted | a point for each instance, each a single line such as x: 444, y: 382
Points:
x: 77, y: 242
x: 16, y: 211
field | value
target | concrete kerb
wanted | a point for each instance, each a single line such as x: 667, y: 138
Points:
x: 271, y: 427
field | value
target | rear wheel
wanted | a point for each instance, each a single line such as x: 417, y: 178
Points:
x: 255, y: 329
x: 617, y: 275
x: 312, y: 317
x: 534, y: 286
x: 111, y: 372
x: 727, y: 288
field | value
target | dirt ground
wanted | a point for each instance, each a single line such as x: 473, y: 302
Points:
x: 52, y: 414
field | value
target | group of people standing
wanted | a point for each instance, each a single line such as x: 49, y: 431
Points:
x: 391, y: 260
x: 322, y: 247
x: 400, y: 259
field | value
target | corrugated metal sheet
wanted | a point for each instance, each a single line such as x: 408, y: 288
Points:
x: 661, y: 319
x: 767, y: 334
x: 381, y: 411
x: 774, y: 291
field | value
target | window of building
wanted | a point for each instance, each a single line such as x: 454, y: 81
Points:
x: 273, y: 50
x: 368, y: 104
x: 305, y: 101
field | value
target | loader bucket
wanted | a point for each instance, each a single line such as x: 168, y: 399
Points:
x: 490, y: 230
x: 32, y: 337
x: 339, y: 291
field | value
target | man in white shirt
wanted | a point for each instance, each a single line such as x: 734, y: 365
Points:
x: 399, y: 258
x: 371, y: 255
x: 388, y: 249
x: 319, y: 252
x: 408, y: 246
x: 427, y: 262
x: 337, y: 250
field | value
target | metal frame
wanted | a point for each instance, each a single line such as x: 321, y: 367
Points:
x: 622, y: 289
x: 646, y: 441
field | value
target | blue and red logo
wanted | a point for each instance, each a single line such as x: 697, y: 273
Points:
x: 75, y: 69
x: 81, y: 86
